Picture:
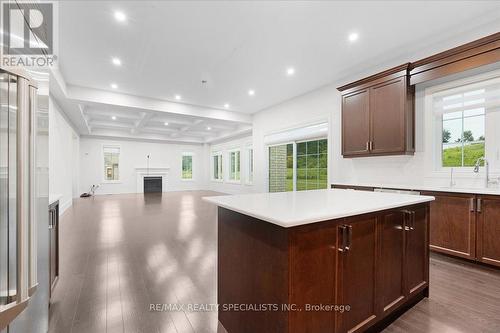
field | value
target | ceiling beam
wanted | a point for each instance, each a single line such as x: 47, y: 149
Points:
x: 83, y: 95
x: 85, y: 120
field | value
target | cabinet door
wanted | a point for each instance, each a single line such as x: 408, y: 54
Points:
x: 355, y: 123
x: 391, y: 261
x: 357, y: 276
x: 417, y: 251
x: 387, y: 116
x: 313, y: 256
x: 452, y: 224
x: 488, y: 229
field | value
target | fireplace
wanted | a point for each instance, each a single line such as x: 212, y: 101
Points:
x: 153, y: 184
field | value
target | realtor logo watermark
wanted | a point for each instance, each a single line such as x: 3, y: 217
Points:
x: 27, y: 33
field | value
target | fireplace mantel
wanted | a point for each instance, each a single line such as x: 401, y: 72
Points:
x: 152, y: 172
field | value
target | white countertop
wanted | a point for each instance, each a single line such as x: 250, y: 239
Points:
x: 289, y: 209
x: 430, y: 188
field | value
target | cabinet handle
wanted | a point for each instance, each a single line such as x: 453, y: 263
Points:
x: 407, y: 219
x: 471, y: 205
x: 479, y: 205
x: 349, y: 237
x: 412, y: 213
x: 368, y: 145
x: 371, y: 145
x: 342, y: 229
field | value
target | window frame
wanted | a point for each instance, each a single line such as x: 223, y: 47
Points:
x: 433, y: 124
x: 103, y: 174
x: 192, y: 166
x: 221, y: 163
x: 229, y: 166
x: 249, y: 165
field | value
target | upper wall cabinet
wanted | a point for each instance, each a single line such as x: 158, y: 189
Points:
x: 378, y: 115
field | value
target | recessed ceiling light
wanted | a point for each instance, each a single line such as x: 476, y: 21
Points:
x: 209, y: 128
x: 113, y: 117
x: 165, y: 123
x: 114, y: 86
x: 178, y: 97
x: 116, y: 61
x: 251, y: 92
x: 226, y: 106
x: 290, y: 71
x: 353, y: 36
x: 120, y: 16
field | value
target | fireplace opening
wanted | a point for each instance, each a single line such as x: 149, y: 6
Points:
x: 153, y: 185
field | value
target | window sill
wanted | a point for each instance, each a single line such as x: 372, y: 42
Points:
x: 234, y: 181
x: 187, y: 179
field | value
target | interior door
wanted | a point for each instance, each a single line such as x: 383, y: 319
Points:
x: 355, y: 123
x: 387, y: 105
x: 417, y: 253
x: 357, y: 275
x: 391, y: 261
x: 488, y: 229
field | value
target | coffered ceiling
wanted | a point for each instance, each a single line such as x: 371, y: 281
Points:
x: 193, y: 63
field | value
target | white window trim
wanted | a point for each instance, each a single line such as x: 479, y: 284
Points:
x: 192, y: 167
x: 104, y: 180
x: 434, y: 145
x: 229, y: 180
x: 221, y: 180
x: 248, y: 166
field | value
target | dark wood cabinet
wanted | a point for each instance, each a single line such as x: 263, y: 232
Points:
x: 417, y: 251
x: 357, y: 275
x: 453, y: 224
x: 374, y: 263
x: 392, y: 261
x: 378, y: 115
x: 466, y: 226
x: 313, y: 250
x: 356, y: 123
x: 351, y: 187
x: 488, y: 229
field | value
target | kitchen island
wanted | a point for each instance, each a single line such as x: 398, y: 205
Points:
x: 320, y: 261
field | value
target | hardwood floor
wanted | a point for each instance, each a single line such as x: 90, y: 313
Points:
x: 121, y: 253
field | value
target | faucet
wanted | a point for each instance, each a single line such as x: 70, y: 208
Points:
x: 487, y: 166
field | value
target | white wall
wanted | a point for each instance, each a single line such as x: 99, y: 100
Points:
x: 325, y: 104
x: 133, y: 155
x: 227, y: 186
x: 63, y: 162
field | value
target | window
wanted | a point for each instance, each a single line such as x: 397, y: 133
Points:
x: 111, y: 163
x: 217, y: 172
x: 187, y: 166
x: 250, y: 166
x: 462, y: 114
x: 234, y: 165
x: 312, y: 165
x: 298, y: 166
